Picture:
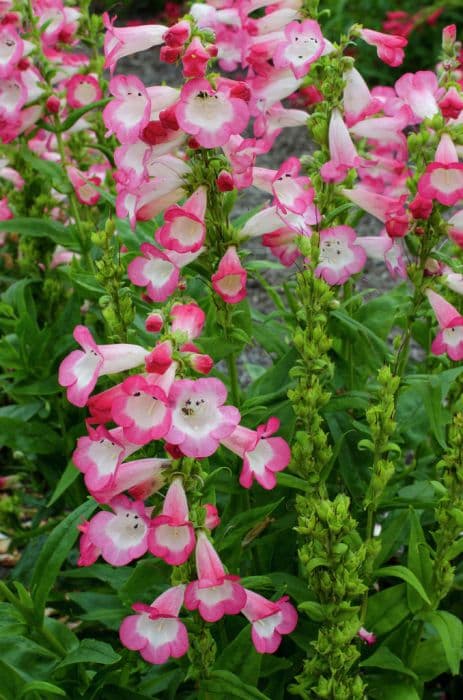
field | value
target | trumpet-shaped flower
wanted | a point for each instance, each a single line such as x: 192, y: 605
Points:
x: 211, y: 116
x: 262, y: 455
x: 155, y: 271
x: 450, y: 337
x: 172, y: 535
x: 443, y: 179
x: 184, y: 230
x: 79, y: 371
x: 121, y: 536
x: 214, y: 594
x: 199, y: 418
x: 230, y: 279
x: 125, y: 41
x: 270, y: 620
x: 389, y: 47
x: 128, y: 114
x: 156, y: 632
x: 340, y: 255
x: 303, y: 44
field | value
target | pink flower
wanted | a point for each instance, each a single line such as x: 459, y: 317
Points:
x: 188, y: 319
x: 172, y: 536
x: 443, y: 179
x: 195, y: 59
x: 82, y: 90
x: 292, y: 191
x: 13, y: 96
x: 450, y: 337
x: 88, y: 552
x: 420, y: 91
x: 366, y: 636
x: 303, y: 44
x: 125, y: 41
x: 99, y: 453
x: 420, y: 207
x: 123, y: 535
x: 11, y: 50
x: 156, y: 632
x: 80, y: 370
x: 128, y: 114
x: 211, y: 116
x: 340, y: 256
x: 154, y: 322
x: 388, y: 46
x: 262, y: 455
x: 184, y: 230
x: 199, y: 418
x: 283, y: 244
x: 451, y: 104
x: 160, y: 358
x: 455, y: 229
x: 270, y: 620
x: 178, y: 34
x: 142, y: 410
x: 83, y: 183
x: 229, y: 282
x: 215, y: 593
x: 155, y: 271
x: 140, y: 478
x: 212, y: 519
x: 342, y: 151
x: 359, y: 103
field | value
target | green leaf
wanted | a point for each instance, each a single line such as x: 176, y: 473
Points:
x: 67, y: 478
x: 291, y: 482
x: 429, y: 660
x: 12, y: 683
x: 54, y: 553
x: 40, y: 228
x: 419, y: 561
x: 76, y: 114
x: 385, y: 659
x: 240, y: 657
x: 450, y: 630
x: 220, y: 681
x: 41, y: 686
x: 91, y: 651
x: 406, y: 575
x: 394, y: 600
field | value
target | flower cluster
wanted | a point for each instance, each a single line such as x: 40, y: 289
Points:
x: 192, y: 420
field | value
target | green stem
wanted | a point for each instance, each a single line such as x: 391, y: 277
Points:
x: 233, y: 377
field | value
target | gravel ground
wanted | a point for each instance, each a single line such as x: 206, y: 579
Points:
x: 147, y: 66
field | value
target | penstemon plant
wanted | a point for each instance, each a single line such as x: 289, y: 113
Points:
x: 309, y: 508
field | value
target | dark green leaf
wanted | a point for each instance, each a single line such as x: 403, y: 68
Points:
x: 450, y: 630
x: 91, y: 651
x: 406, y: 575
x: 219, y: 681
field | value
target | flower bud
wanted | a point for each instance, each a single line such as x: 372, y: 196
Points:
x: 178, y: 34
x: 449, y: 35
x: 169, y: 54
x: 225, y: 181
x: 154, y: 133
x: 160, y: 358
x: 154, y: 323
x: 168, y: 118
x: 53, y: 104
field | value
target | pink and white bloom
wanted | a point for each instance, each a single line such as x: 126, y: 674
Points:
x: 122, y: 535
x: 156, y: 632
x: 13, y: 96
x: 88, y: 552
x: 451, y: 105
x: 292, y: 192
x: 83, y: 184
x: 342, y: 151
x: 443, y: 179
x: 187, y: 318
x: 455, y: 229
x: 303, y: 44
x: 11, y: 50
x: 450, y: 337
x: 229, y: 282
x: 99, y: 453
x: 140, y: 478
x: 270, y: 620
x: 128, y: 114
x: 421, y: 92
x: 172, y: 536
x: 184, y: 229
x: 155, y: 271
x: 358, y: 101
x: 82, y: 90
x: 211, y: 116
x: 79, y: 371
x: 199, y: 419
x: 214, y: 594
x: 262, y: 455
x: 195, y: 59
x: 388, y: 250
x: 125, y: 41
x: 142, y: 410
x: 389, y: 47
x: 340, y: 255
